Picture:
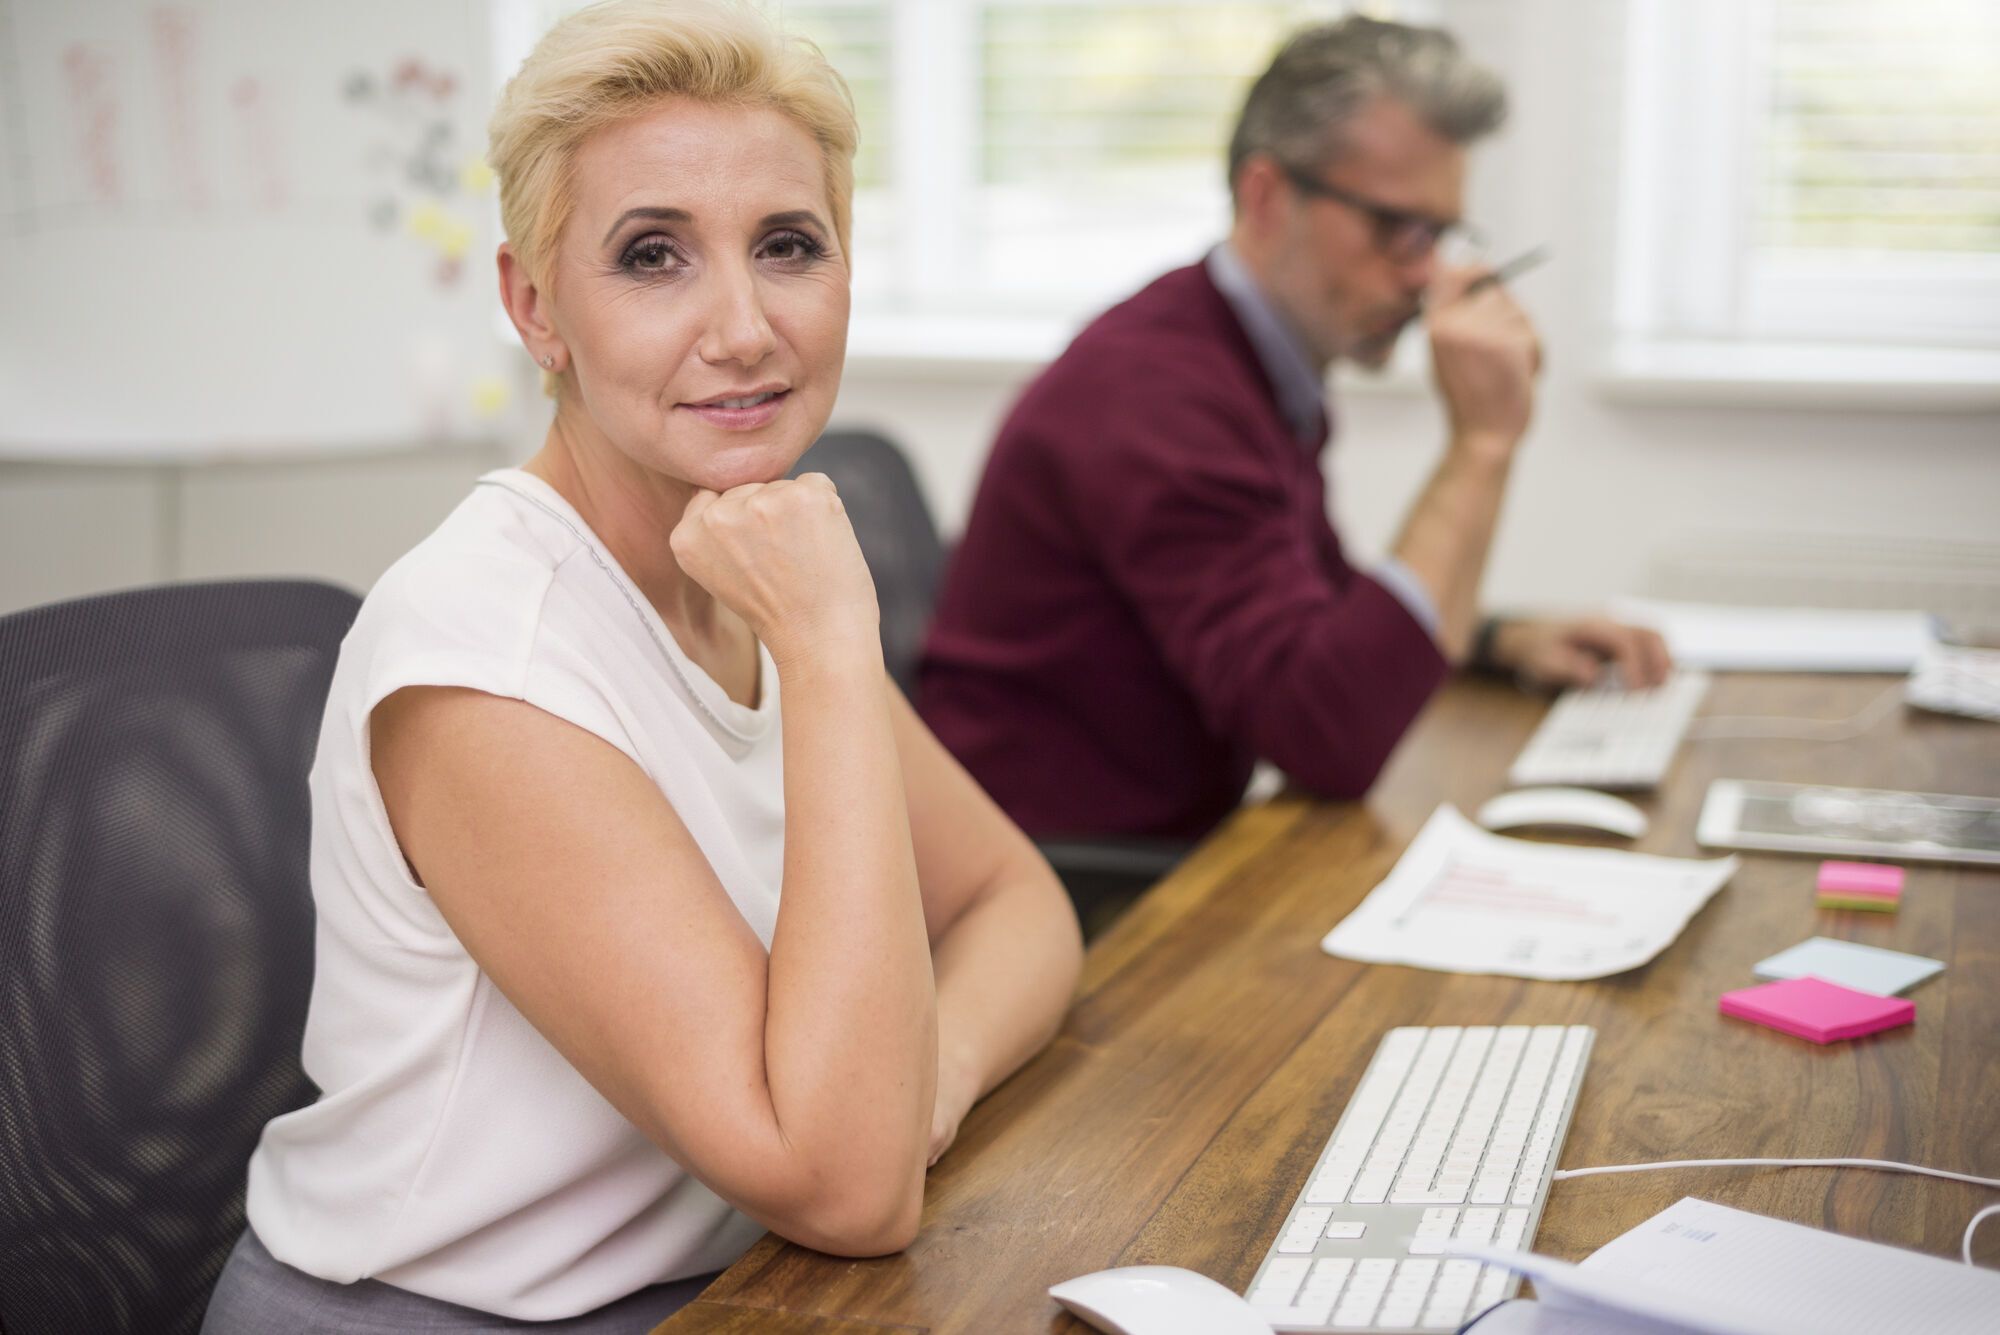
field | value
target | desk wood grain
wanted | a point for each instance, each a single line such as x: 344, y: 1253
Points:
x: 1213, y: 1046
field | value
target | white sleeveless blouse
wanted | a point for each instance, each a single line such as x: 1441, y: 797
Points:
x: 454, y: 1152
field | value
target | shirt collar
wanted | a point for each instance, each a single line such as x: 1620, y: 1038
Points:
x: 1301, y: 390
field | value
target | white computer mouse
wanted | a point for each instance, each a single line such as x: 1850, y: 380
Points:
x: 1574, y: 808
x: 1158, y: 1300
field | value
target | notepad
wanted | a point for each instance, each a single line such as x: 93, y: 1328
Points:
x: 1816, y: 1009
x: 1863, y: 968
x: 1868, y: 878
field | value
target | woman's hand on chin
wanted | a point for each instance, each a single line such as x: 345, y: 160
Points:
x: 782, y: 555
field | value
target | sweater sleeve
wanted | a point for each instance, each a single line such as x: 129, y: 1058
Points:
x: 1321, y: 674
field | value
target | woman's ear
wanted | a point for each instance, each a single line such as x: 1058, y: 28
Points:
x: 528, y: 307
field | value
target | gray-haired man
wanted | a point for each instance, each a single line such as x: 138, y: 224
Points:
x: 1149, y: 594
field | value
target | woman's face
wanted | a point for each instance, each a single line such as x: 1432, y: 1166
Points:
x: 699, y: 292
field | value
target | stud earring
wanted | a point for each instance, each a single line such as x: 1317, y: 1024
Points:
x: 549, y: 361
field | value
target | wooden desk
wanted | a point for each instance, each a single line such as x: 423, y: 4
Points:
x: 1213, y: 1046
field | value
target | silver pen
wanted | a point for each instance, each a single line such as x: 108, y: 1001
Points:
x: 1532, y: 258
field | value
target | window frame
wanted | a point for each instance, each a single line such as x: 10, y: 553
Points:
x: 1696, y: 313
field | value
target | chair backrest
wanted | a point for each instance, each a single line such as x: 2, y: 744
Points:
x: 156, y: 934
x: 897, y: 535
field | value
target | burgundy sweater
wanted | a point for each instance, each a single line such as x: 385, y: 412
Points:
x: 1149, y: 596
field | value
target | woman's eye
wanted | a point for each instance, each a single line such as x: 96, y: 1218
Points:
x: 791, y: 247
x: 649, y: 253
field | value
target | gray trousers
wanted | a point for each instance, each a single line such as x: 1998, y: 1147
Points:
x: 258, y: 1295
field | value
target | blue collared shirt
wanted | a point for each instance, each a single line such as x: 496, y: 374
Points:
x: 1302, y: 401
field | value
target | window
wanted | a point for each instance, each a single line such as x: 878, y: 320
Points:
x: 1029, y: 158
x: 1813, y: 171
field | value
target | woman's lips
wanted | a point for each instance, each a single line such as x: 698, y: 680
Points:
x: 751, y: 412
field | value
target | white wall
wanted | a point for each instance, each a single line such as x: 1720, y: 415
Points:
x: 1600, y: 489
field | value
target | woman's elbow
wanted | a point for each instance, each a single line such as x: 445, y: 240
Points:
x: 1064, y: 930
x: 859, y: 1223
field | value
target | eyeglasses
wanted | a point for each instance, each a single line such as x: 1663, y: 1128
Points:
x: 1401, y: 235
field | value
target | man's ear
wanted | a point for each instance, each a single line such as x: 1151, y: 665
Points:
x: 528, y: 307
x: 1261, y: 193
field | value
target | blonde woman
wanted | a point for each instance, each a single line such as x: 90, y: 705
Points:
x: 650, y: 916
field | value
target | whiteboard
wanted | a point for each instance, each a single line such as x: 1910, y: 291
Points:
x: 236, y: 227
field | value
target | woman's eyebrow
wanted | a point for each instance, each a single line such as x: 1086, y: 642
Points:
x: 654, y: 213
x: 792, y: 218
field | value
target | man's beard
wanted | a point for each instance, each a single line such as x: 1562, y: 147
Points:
x: 1374, y: 352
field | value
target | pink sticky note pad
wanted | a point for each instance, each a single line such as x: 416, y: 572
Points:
x: 1860, y: 878
x: 1816, y: 1009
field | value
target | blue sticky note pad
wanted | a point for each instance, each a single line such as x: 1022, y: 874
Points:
x: 1864, y: 968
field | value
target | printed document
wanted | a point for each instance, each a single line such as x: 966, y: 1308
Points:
x: 1465, y: 901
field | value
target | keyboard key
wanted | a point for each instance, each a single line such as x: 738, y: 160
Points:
x: 1413, y: 1275
x: 1458, y: 1274
x: 1370, y: 1191
x: 1448, y: 1311
x: 1329, y: 1191
x: 1328, y: 1275
x: 1279, y: 1281
x: 1287, y: 1317
x: 1315, y: 1308
x: 1354, y: 1315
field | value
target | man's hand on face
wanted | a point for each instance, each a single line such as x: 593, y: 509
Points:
x: 1484, y: 356
x: 1579, y: 652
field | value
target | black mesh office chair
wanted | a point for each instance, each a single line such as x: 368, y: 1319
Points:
x: 905, y: 555
x: 156, y: 935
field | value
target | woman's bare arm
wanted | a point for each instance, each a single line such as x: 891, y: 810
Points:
x: 1005, y: 943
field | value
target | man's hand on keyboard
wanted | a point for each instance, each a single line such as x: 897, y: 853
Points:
x: 1580, y: 651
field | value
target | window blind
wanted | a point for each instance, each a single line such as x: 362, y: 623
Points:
x: 1884, y: 127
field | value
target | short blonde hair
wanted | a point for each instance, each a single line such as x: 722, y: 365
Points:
x: 611, y: 60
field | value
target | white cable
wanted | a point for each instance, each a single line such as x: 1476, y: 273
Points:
x: 1965, y: 1246
x: 1886, y: 1165
x: 1798, y: 729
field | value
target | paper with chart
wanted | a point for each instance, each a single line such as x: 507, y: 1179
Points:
x: 1465, y: 901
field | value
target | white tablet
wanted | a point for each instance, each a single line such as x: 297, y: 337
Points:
x: 1801, y: 818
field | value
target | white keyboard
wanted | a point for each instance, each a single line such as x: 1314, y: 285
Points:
x: 1611, y: 738
x: 1451, y: 1137
x: 1949, y: 679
